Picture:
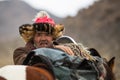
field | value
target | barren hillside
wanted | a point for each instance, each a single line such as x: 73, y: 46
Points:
x: 98, y: 27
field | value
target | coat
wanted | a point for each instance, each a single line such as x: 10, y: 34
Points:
x: 20, y: 53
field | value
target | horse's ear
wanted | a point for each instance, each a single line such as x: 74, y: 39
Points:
x: 111, y: 63
x: 94, y: 52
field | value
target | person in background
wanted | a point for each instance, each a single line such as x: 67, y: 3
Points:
x: 41, y: 34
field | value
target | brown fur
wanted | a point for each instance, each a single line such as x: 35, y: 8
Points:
x: 26, y: 32
x: 58, y: 30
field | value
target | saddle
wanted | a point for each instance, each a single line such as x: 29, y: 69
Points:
x: 63, y: 66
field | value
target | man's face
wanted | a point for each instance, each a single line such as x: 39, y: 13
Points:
x: 43, y: 39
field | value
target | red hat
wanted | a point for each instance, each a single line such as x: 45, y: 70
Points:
x: 45, y: 20
x: 43, y: 17
x: 42, y: 22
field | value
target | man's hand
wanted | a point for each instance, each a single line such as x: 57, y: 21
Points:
x: 65, y: 49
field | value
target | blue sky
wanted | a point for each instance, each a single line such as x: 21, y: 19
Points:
x: 61, y: 8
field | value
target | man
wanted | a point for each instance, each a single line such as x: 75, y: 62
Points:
x: 40, y: 34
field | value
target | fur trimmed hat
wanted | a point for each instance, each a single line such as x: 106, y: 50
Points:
x: 42, y: 22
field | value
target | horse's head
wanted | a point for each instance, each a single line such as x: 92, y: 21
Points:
x: 109, y: 66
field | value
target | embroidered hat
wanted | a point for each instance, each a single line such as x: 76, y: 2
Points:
x: 42, y: 22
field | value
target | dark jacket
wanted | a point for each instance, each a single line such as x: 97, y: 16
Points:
x: 20, y: 53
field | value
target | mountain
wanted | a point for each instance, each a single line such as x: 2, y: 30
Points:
x: 98, y: 27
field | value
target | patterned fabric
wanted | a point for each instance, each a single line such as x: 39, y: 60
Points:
x: 80, y: 50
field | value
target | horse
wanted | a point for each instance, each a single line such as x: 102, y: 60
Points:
x: 41, y: 69
x: 23, y: 72
x: 105, y: 67
x: 108, y: 65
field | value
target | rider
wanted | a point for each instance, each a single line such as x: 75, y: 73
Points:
x: 41, y: 34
